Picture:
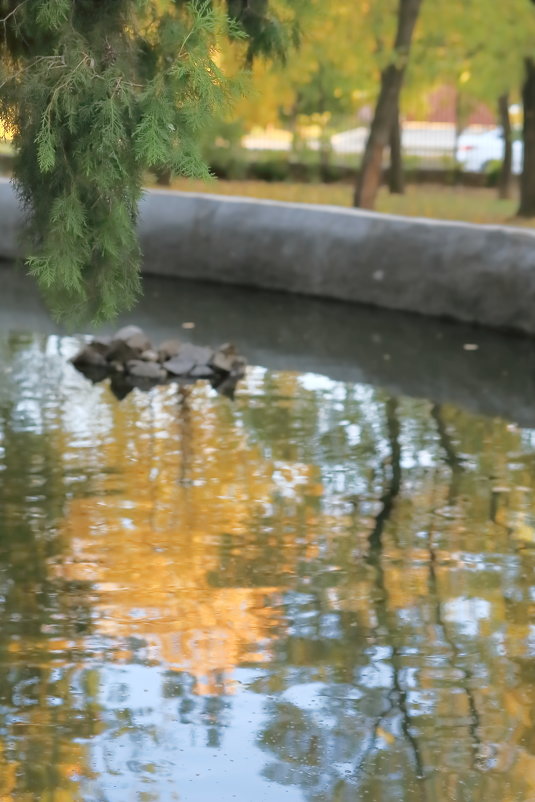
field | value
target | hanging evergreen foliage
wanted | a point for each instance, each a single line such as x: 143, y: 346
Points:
x: 94, y: 92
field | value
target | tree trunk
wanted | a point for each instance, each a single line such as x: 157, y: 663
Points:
x: 163, y: 176
x: 369, y: 177
x: 396, y: 178
x: 325, y: 158
x: 527, y: 181
x: 292, y: 122
x: 506, y: 173
x: 458, y: 124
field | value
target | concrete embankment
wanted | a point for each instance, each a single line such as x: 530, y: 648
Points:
x: 477, y: 274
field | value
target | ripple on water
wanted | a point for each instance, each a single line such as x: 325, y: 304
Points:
x: 316, y: 592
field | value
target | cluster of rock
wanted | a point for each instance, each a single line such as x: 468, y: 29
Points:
x: 130, y: 360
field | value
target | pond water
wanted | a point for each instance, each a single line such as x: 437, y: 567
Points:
x: 321, y: 591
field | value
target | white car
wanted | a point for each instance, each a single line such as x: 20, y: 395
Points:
x: 477, y: 150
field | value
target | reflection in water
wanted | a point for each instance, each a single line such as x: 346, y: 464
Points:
x: 317, y: 592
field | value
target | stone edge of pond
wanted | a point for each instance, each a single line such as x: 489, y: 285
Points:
x: 473, y: 273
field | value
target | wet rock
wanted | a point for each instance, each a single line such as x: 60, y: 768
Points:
x: 128, y: 343
x: 169, y: 349
x: 222, y: 363
x: 179, y: 365
x: 127, y: 332
x: 201, y: 355
x: 225, y: 384
x: 118, y: 367
x: 89, y: 355
x: 140, y: 342
x: 144, y: 370
x: 150, y: 355
x: 225, y: 381
x: 95, y: 373
x: 238, y: 369
x: 120, y: 386
x: 224, y: 358
x: 101, y: 344
x: 202, y: 372
x: 130, y: 361
x: 121, y: 351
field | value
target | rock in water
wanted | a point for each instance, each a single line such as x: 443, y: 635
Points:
x: 201, y: 355
x: 129, y: 337
x: 169, y: 349
x: 150, y: 355
x: 121, y: 351
x: 126, y: 332
x: 120, y: 386
x: 130, y: 360
x: 238, y: 367
x: 145, y: 370
x: 89, y: 355
x: 179, y: 365
x: 101, y: 344
x: 140, y: 342
x: 202, y: 372
x: 224, y: 357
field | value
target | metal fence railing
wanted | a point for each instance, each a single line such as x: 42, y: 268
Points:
x: 427, y: 143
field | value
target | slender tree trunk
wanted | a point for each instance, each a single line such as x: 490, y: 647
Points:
x: 459, y: 122
x: 325, y: 157
x: 324, y: 141
x: 506, y: 173
x: 292, y: 121
x: 369, y: 177
x: 396, y: 178
x: 527, y: 181
x: 163, y: 176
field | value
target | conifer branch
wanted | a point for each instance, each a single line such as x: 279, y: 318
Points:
x: 95, y: 93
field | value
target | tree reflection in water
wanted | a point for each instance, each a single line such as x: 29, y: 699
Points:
x: 331, y: 585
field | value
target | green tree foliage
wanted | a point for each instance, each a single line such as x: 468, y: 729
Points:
x: 94, y: 94
x: 268, y: 34
x: 333, y: 72
x: 487, y: 57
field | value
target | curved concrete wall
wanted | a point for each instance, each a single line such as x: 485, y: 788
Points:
x: 481, y: 274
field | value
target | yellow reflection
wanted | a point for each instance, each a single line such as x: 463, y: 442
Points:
x: 150, y: 539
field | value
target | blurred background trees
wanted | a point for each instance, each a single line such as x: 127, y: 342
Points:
x: 466, y: 71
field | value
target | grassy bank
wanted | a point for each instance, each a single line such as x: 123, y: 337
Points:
x: 474, y: 205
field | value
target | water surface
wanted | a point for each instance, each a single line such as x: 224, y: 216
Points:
x: 319, y: 592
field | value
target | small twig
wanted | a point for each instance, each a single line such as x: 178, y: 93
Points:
x: 29, y: 67
x: 13, y: 12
